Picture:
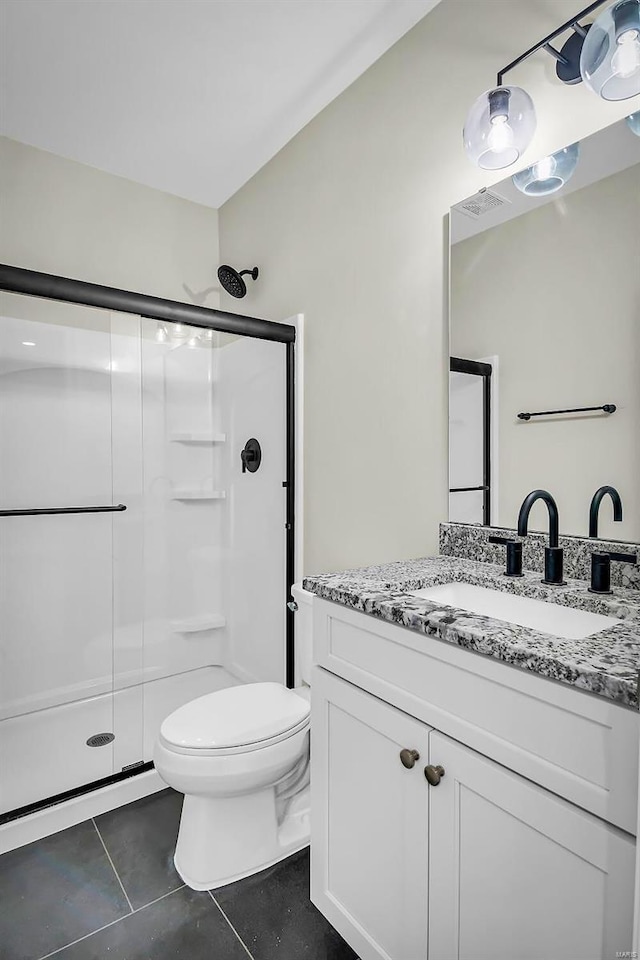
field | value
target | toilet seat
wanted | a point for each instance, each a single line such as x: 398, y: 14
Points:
x: 236, y: 720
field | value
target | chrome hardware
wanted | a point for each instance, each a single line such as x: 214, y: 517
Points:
x: 408, y: 758
x: 133, y: 766
x: 100, y: 739
x: 292, y: 605
x: 434, y: 774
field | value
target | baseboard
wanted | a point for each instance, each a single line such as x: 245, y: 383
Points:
x: 35, y: 826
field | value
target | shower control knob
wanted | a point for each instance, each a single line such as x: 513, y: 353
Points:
x: 251, y: 456
x: 434, y: 774
x: 408, y: 758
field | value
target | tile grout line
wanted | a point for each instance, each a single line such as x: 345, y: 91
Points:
x: 107, y: 925
x: 113, y: 867
x: 242, y: 943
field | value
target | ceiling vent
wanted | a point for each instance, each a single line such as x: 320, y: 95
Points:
x: 480, y: 203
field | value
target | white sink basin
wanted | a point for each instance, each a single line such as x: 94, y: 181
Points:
x: 523, y: 611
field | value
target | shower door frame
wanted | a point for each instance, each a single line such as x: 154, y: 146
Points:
x: 479, y: 368
x: 50, y: 287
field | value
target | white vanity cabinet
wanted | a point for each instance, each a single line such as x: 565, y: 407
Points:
x: 484, y: 865
x: 370, y: 829
x: 517, y: 872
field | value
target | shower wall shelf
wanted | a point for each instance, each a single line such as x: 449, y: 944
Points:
x: 198, y: 437
x: 199, y: 495
x: 198, y: 624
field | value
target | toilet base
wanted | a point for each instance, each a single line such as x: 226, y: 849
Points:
x: 285, y: 852
x: 224, y: 840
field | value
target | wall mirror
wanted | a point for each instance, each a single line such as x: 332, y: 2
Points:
x: 545, y: 317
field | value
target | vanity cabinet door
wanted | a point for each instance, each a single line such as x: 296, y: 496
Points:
x: 518, y: 873
x: 369, y: 856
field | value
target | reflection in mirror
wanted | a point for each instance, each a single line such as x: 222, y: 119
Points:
x: 545, y: 298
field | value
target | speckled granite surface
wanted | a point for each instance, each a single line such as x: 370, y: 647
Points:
x: 472, y: 541
x: 607, y: 663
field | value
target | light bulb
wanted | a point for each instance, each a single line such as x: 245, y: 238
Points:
x: 626, y: 60
x: 499, y: 127
x: 610, y: 57
x: 501, y: 136
x: 544, y: 168
x: 161, y: 335
x: 192, y: 342
x: 548, y: 174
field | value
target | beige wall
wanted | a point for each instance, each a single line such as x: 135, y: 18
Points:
x: 347, y: 224
x: 62, y: 217
x: 555, y: 295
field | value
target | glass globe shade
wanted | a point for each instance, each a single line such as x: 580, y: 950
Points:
x: 549, y: 174
x: 499, y: 128
x: 633, y: 122
x: 610, y: 58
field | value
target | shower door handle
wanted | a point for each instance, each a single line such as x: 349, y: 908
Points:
x: 48, y: 511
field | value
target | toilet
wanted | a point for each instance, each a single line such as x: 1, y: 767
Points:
x: 241, y: 758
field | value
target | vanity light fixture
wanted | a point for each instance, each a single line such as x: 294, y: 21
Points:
x: 610, y: 57
x: 633, y: 122
x: 549, y: 174
x: 500, y: 127
x: 501, y: 123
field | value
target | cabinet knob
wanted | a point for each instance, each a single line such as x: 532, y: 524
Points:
x: 408, y: 758
x: 434, y: 774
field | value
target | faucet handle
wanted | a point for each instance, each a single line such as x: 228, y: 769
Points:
x: 514, y: 555
x: 601, y: 569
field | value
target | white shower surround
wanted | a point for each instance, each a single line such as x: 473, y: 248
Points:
x: 119, y: 651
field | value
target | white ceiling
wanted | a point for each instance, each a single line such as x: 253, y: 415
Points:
x: 187, y: 96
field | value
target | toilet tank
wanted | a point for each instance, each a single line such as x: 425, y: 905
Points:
x: 303, y: 630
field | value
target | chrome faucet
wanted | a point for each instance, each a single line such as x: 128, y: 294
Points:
x: 594, y: 508
x: 553, y: 554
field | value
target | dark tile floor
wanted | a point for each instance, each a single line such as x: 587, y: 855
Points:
x: 107, y: 888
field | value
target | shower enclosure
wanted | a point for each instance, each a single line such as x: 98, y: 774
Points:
x: 141, y: 563
x: 470, y: 441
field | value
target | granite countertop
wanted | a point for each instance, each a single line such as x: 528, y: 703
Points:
x: 607, y: 663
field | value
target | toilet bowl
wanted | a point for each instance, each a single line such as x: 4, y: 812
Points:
x: 241, y: 758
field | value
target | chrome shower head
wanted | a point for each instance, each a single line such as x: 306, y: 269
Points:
x: 232, y: 280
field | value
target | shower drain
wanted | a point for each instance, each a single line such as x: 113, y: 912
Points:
x: 100, y: 739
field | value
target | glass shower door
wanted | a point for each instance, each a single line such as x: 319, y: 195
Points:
x: 469, y: 441
x: 60, y: 605
x: 142, y: 557
x: 214, y: 533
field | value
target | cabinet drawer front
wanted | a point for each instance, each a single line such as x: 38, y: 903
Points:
x: 521, y: 873
x: 575, y: 744
x: 369, y: 855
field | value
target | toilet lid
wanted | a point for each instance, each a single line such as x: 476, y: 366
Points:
x: 235, y: 717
